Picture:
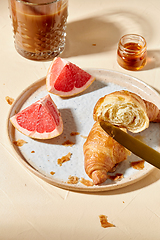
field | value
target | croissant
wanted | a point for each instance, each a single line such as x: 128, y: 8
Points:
x: 101, y: 153
x: 126, y: 109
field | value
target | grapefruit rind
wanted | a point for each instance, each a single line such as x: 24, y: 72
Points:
x: 57, y: 67
x: 34, y: 134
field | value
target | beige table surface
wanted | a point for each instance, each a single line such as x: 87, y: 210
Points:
x: 33, y: 209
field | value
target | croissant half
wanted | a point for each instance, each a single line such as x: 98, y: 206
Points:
x: 101, y: 153
x: 126, y: 109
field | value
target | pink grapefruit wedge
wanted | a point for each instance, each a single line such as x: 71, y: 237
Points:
x: 41, y: 120
x: 65, y: 79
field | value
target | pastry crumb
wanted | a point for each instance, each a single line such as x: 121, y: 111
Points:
x: 87, y: 183
x: 52, y: 173
x: 68, y: 143
x: 9, y: 100
x: 72, y: 180
x: 19, y: 143
x: 85, y: 137
x: 32, y: 151
x: 94, y: 44
x: 139, y: 165
x: 116, y: 177
x: 64, y: 159
x: 104, y: 222
x: 74, y: 133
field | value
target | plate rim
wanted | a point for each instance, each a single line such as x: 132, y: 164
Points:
x: 60, y: 183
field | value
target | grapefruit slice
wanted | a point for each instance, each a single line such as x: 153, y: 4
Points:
x: 41, y: 120
x: 65, y: 79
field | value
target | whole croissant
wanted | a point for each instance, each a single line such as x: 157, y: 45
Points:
x: 126, y: 109
x: 101, y: 153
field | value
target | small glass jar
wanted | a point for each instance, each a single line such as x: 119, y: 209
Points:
x: 132, y: 52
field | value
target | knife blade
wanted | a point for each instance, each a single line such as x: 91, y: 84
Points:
x: 137, y: 147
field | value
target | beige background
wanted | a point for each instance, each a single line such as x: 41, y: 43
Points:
x: 31, y: 208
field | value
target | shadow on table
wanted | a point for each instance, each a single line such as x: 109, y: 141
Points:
x: 153, y: 59
x: 145, y: 182
x: 102, y: 32
x: 89, y: 36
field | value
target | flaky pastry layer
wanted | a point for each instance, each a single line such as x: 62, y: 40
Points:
x: 124, y: 109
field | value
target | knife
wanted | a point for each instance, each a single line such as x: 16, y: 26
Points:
x: 134, y: 145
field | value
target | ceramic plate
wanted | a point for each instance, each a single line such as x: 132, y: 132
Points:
x: 40, y: 156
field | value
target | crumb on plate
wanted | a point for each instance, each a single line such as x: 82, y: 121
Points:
x: 64, y: 159
x: 85, y: 137
x: 74, y: 133
x: 52, y: 173
x: 19, y: 142
x: 68, y: 143
x: 87, y: 183
x: 72, y: 180
x: 116, y: 177
x: 139, y: 165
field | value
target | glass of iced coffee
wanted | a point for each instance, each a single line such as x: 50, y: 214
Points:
x: 39, y: 27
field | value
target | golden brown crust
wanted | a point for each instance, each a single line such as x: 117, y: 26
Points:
x: 157, y: 119
x: 152, y: 111
x: 126, y: 109
x: 101, y: 153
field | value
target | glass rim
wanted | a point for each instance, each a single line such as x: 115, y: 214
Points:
x: 135, y: 36
x: 37, y: 4
x: 130, y: 36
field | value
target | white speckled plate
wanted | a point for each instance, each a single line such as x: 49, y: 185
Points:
x: 40, y: 156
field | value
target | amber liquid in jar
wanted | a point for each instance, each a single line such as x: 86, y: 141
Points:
x: 132, y: 52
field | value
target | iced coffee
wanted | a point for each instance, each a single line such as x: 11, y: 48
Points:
x: 39, y: 27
